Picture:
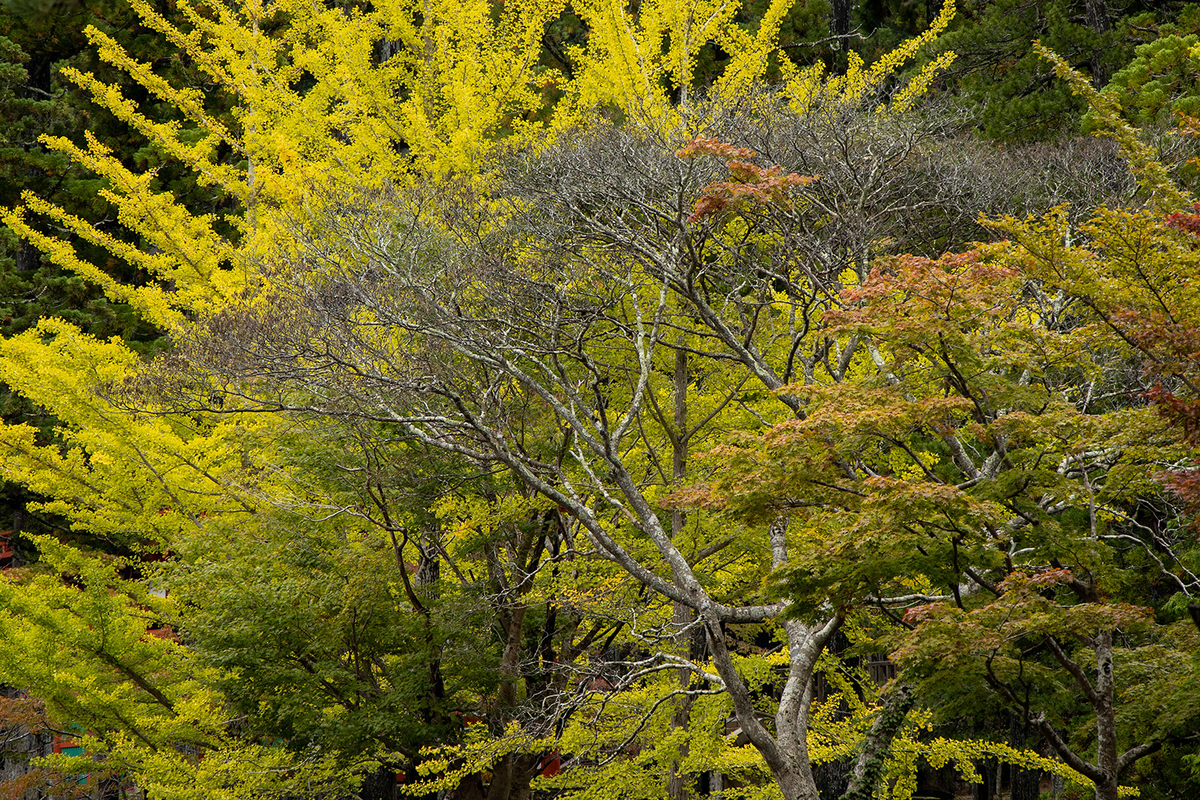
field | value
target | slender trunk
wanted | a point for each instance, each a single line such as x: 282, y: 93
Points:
x: 805, y: 645
x: 794, y: 740
x: 513, y: 620
x: 868, y: 769
x: 1100, y: 22
x: 1025, y: 783
x: 989, y: 788
x: 832, y: 777
x: 1106, y: 718
x: 679, y: 444
x: 839, y: 19
x: 379, y: 785
x: 839, y: 25
x: 793, y: 784
x: 426, y: 583
x: 252, y: 183
x: 683, y: 616
x: 932, y: 9
x: 1097, y: 16
x: 28, y: 257
x: 1106, y: 770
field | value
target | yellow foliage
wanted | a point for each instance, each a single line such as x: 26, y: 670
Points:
x: 810, y: 89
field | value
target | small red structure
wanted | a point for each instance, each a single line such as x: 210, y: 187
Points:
x: 6, y: 551
x: 550, y: 764
x: 66, y: 747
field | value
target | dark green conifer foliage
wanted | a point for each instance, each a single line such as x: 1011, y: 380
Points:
x: 1012, y: 94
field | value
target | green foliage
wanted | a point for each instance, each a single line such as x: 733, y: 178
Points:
x: 1005, y: 86
x: 1160, y: 82
x: 964, y: 470
x: 75, y: 634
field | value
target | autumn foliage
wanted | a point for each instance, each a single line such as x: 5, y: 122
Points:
x: 527, y: 411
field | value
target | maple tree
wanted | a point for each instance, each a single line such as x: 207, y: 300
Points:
x: 1008, y: 472
x: 297, y: 296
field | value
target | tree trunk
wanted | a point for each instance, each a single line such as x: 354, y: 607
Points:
x: 868, y: 769
x: 469, y: 788
x: 28, y: 257
x: 1106, y: 718
x: 683, y: 616
x: 1100, y: 22
x: 502, y: 775
x: 1107, y: 789
x: 428, y: 573
x: 839, y: 18
x: 932, y: 9
x: 787, y: 756
x: 511, y: 777
x: 1097, y: 16
x: 989, y: 788
x: 832, y: 778
x: 839, y: 25
x: 1025, y: 784
x: 379, y: 785
x: 513, y: 621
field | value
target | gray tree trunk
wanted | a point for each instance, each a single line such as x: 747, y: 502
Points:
x: 683, y: 616
x: 868, y: 769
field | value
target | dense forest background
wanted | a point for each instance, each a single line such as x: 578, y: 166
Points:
x: 766, y: 400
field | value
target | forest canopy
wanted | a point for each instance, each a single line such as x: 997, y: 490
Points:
x: 787, y: 401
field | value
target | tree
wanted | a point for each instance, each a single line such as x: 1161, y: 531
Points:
x: 450, y: 315
x: 35, y: 102
x: 1002, y: 479
x: 1010, y: 91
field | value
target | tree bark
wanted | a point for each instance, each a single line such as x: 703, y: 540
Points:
x: 989, y: 788
x: 839, y: 25
x: 683, y: 616
x: 839, y: 18
x: 28, y: 257
x: 832, y: 777
x: 787, y: 755
x: 469, y: 788
x: 428, y: 574
x: 379, y: 785
x: 511, y: 778
x: 1106, y: 718
x: 1025, y: 784
x: 513, y: 621
x: 1097, y: 16
x: 868, y: 769
x: 932, y: 9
